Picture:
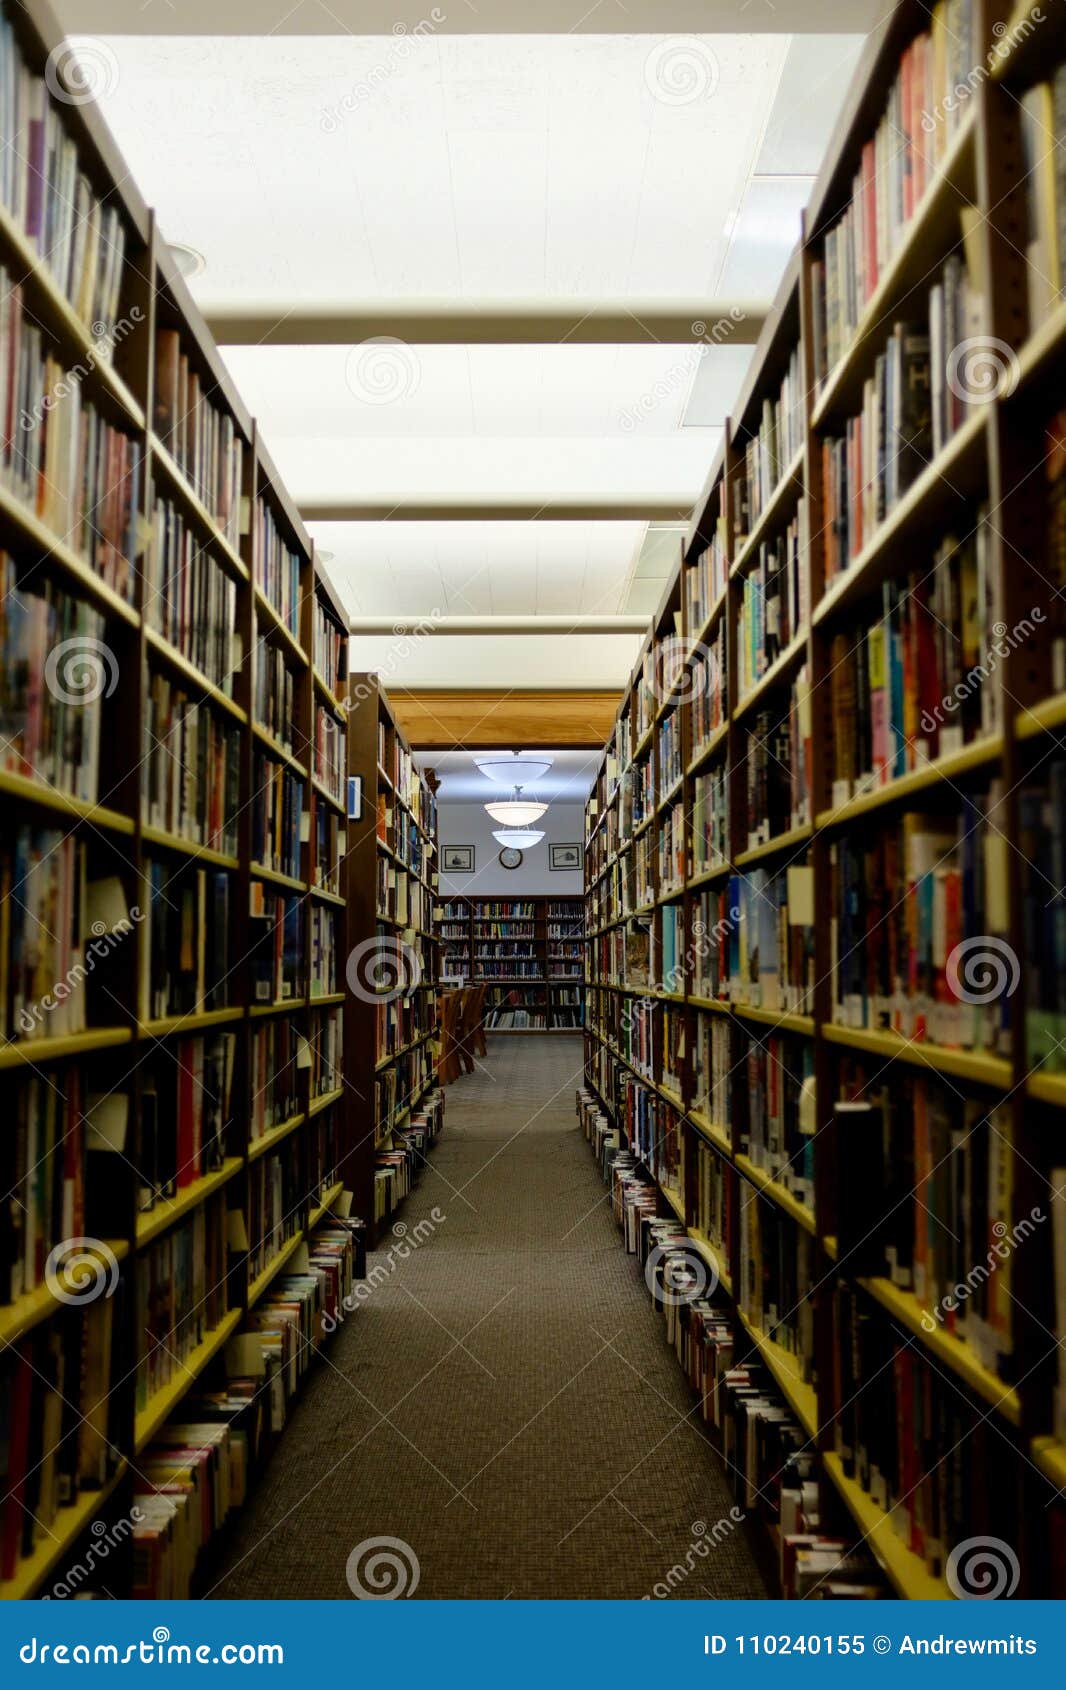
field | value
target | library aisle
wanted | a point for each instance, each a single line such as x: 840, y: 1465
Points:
x: 502, y: 1402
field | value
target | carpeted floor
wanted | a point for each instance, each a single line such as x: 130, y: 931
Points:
x: 503, y: 1404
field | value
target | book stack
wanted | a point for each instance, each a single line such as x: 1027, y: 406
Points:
x: 190, y: 599
x: 198, y: 431
x: 190, y: 771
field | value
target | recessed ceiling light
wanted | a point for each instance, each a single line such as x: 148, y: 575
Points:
x: 188, y: 260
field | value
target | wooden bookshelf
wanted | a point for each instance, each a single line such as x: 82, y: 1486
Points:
x: 992, y: 455
x: 307, y: 1106
x: 391, y: 1032
x: 547, y: 943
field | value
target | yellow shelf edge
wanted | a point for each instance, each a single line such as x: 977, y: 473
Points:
x: 973, y: 756
x: 982, y: 1068
x: 267, y: 1275
x: 801, y: 1396
x: 67, y: 1526
x: 904, y: 1307
x: 906, y: 1572
x: 261, y: 1146
x: 40, y: 1304
x: 17, y: 1053
x: 162, y: 1403
x: 30, y: 789
x: 779, y: 1194
x: 152, y: 1222
x: 317, y: 1104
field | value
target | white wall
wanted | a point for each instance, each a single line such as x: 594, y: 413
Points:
x: 468, y: 824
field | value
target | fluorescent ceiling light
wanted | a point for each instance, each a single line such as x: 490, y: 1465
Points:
x: 513, y: 770
x: 519, y: 837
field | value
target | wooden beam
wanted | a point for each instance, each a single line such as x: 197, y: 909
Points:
x: 454, y: 720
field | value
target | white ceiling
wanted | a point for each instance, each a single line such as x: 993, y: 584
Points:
x: 310, y: 164
x: 569, y: 779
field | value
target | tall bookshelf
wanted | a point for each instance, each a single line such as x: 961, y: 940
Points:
x: 392, y: 1040
x: 736, y: 982
x: 527, y: 950
x: 177, y: 835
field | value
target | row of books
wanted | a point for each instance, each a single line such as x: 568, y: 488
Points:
x: 274, y: 691
x: 277, y: 567
x: 1042, y: 842
x: 922, y: 113
x: 708, y: 688
x: 329, y: 652
x: 321, y: 950
x: 195, y: 425
x: 80, y: 476
x: 778, y: 1273
x: 775, y: 603
x: 399, y: 1166
x: 44, y: 186
x: 191, y: 767
x: 920, y: 910
x: 326, y: 1049
x: 402, y: 897
x: 777, y: 765
x: 44, y: 890
x: 710, y: 820
x: 770, y: 938
x: 276, y: 1195
x: 59, y: 1415
x: 184, y: 1127
x: 329, y: 752
x: 44, y: 1171
x: 276, y: 963
x: 277, y: 1056
x: 399, y: 1022
x: 705, y: 578
x: 327, y: 836
x: 276, y: 807
x: 181, y: 1293
x: 670, y: 766
x: 672, y: 849
x: 909, y: 411
x: 51, y: 732
x: 185, y: 939
x: 771, y: 449
x: 779, y: 1123
x: 190, y: 599
x: 922, y: 681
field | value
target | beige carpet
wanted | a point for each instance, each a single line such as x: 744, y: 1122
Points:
x: 503, y: 1404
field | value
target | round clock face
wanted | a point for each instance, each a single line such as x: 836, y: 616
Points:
x: 509, y: 857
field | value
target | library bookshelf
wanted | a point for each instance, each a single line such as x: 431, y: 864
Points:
x: 392, y: 1037
x: 740, y: 857
x: 528, y: 951
x: 176, y: 827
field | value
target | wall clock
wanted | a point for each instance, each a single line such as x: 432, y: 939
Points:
x: 510, y: 857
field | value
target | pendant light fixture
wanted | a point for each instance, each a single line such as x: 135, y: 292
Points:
x: 521, y: 838
x: 516, y: 811
x: 505, y: 768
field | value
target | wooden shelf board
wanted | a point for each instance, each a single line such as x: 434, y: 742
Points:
x: 30, y: 789
x: 40, y: 539
x: 673, y: 1199
x: 779, y: 505
x: 162, y: 1403
x: 874, y: 562
x: 176, y: 660
x: 1047, y: 1088
x: 159, y: 837
x: 1050, y: 1456
x: 779, y: 672
x: 322, y: 791
x: 195, y: 1021
x: 170, y: 1209
x: 783, y: 842
x: 327, y: 897
x: 955, y: 764
x: 708, y: 1129
x: 906, y: 1572
x: 258, y: 1147
x: 778, y: 1193
x: 324, y: 691
x: 70, y: 1044
x: 978, y: 1066
x: 39, y: 1304
x: 713, y: 1258
x: 1045, y: 717
x: 259, y: 871
x: 277, y: 628
x: 801, y: 1396
x: 329, y: 1197
x: 783, y: 1020
x: 707, y: 750
x: 279, y: 1007
x: 50, y: 302
x: 905, y: 1308
x: 63, y: 1533
x: 274, y: 746
x: 317, y: 1104
x: 265, y: 1278
x: 162, y: 457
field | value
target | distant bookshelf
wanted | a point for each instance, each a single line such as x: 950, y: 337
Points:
x: 529, y: 952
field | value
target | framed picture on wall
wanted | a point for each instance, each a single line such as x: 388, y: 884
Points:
x: 564, y: 857
x: 457, y: 859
